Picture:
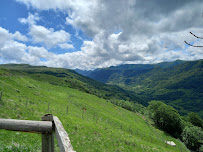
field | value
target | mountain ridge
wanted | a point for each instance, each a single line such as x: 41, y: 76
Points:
x: 177, y: 83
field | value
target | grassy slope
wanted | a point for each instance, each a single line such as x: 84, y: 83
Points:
x: 70, y: 78
x: 98, y: 130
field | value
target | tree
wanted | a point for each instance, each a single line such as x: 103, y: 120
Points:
x: 195, y: 119
x: 165, y: 117
x: 153, y: 106
x: 192, y: 137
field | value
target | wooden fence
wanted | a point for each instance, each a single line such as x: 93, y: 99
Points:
x: 46, y: 127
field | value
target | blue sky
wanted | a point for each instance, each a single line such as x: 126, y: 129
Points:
x: 11, y: 11
x: 94, y: 34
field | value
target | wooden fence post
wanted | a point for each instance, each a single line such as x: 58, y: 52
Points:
x: 26, y: 102
x: 48, y: 107
x: 1, y: 95
x: 48, y: 139
x: 83, y: 112
x: 180, y: 148
x: 1, y: 101
x: 129, y: 128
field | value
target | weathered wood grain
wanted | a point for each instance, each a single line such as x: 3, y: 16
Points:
x: 48, y: 139
x: 62, y: 136
x: 26, y: 126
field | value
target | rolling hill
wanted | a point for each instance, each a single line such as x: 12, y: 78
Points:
x: 178, y: 83
x: 30, y: 92
x: 70, y: 78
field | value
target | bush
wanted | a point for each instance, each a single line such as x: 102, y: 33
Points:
x: 165, y: 117
x: 192, y: 137
x: 201, y: 149
x: 195, y: 119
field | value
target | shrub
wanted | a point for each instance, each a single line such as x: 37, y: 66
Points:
x: 201, y: 149
x: 192, y: 137
x: 195, y: 119
x: 165, y: 117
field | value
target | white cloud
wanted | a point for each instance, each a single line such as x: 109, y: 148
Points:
x: 12, y: 51
x: 151, y: 31
x: 31, y: 19
x: 4, y: 36
x: 38, y: 51
x: 66, y: 46
x: 18, y: 36
x: 46, y: 36
x: 49, y: 37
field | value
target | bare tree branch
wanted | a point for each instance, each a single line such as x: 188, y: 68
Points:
x: 192, y: 45
x: 196, y: 36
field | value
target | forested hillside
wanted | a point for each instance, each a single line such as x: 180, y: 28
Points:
x: 178, y: 83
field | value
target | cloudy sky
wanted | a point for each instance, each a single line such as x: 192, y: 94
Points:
x: 89, y: 34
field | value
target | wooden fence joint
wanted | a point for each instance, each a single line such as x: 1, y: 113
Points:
x: 48, y: 139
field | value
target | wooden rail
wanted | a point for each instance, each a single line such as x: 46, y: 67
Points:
x: 46, y: 127
x: 62, y: 136
x: 26, y: 125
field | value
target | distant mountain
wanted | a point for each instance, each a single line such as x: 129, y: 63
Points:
x: 104, y: 75
x: 178, y: 83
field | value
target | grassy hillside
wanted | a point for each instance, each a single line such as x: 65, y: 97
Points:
x: 102, y: 127
x: 178, y: 83
x: 71, y: 79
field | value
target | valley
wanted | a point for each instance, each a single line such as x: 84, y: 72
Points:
x: 178, y: 83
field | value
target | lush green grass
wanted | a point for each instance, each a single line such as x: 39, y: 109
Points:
x: 102, y: 127
x: 70, y: 78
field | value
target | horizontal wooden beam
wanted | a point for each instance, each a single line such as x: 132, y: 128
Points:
x: 44, y: 127
x: 62, y: 136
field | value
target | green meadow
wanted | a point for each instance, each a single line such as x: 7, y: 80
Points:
x: 92, y: 123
